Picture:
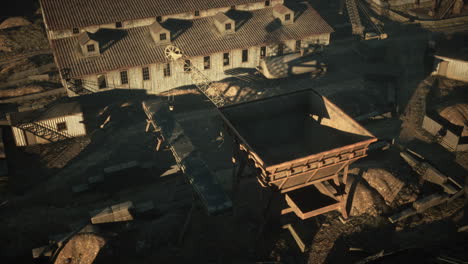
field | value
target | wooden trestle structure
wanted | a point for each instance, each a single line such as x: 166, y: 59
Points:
x: 299, y: 144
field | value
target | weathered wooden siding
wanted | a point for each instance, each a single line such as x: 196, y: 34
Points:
x: 458, y: 70
x: 452, y: 69
x: 148, y: 21
x: 159, y: 83
x: 75, y: 128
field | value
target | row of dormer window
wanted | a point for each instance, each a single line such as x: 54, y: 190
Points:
x: 119, y: 24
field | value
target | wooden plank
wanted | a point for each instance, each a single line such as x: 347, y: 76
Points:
x: 309, y: 183
x: 296, y: 237
x: 324, y: 167
x: 322, y: 210
x: 287, y: 211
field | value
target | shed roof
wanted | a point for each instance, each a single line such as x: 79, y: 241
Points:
x: 69, y: 14
x: 197, y: 37
x: 58, y: 110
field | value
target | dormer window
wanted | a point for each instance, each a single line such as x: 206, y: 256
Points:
x: 118, y: 24
x: 224, y: 24
x: 159, y: 34
x: 197, y: 13
x: 88, y: 44
x: 76, y: 30
x: 267, y: 3
x: 90, y: 48
x: 284, y: 14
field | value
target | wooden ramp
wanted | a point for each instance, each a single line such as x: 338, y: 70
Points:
x: 187, y: 157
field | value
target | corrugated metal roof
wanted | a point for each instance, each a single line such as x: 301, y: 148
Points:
x: 68, y: 14
x: 58, y: 110
x: 196, y: 38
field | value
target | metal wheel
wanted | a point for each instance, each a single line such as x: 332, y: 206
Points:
x: 172, y: 53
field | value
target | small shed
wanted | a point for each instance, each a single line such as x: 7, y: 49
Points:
x: 59, y: 122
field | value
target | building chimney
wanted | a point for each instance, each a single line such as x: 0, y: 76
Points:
x: 285, y: 15
x: 224, y: 24
x: 159, y: 34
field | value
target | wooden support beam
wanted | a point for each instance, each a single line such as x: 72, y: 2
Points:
x: 344, y: 163
x: 148, y: 124
x: 158, y: 145
x: 287, y: 211
x: 296, y: 237
x: 309, y: 183
x: 345, y: 175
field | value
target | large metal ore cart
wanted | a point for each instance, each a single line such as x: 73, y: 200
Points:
x: 300, y: 144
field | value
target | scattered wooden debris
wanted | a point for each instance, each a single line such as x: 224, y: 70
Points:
x: 429, y: 201
x: 96, y: 179
x: 80, y: 188
x: 116, y: 213
x: 449, y: 184
x: 39, y: 77
x: 44, y: 251
x: 402, y: 215
x: 121, y: 167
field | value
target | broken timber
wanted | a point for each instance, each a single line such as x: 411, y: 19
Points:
x: 211, y: 193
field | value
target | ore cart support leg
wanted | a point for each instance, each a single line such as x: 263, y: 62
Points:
x: 239, y: 164
x: 344, y: 197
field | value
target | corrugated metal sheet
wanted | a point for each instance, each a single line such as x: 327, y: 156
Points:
x: 79, y: 13
x: 200, y: 38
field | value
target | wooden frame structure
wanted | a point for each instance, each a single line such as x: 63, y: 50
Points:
x: 322, y: 175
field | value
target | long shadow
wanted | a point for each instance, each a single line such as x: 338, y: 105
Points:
x: 239, y: 16
x: 108, y: 37
x: 177, y: 27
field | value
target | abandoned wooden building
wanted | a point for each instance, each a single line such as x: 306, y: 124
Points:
x: 102, y: 45
x: 59, y: 122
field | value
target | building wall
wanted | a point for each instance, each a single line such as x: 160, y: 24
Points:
x: 75, y: 128
x: 159, y: 83
x: 458, y: 70
x: 148, y: 21
x: 452, y: 69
